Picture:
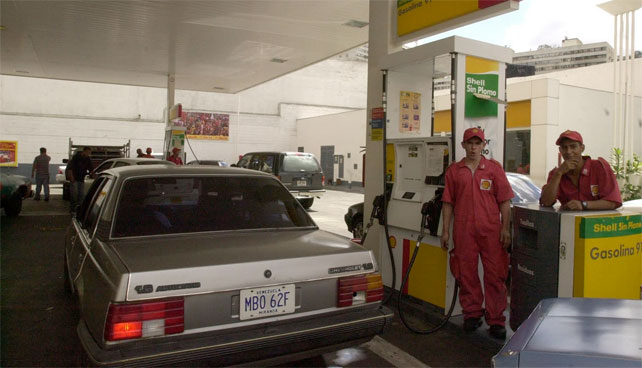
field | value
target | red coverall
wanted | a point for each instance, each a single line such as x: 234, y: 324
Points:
x: 476, y: 230
x: 597, y: 181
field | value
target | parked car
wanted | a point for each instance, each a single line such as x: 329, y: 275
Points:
x: 175, y: 264
x: 300, y: 172
x: 525, y: 192
x: 120, y: 162
x: 15, y: 188
x: 209, y: 162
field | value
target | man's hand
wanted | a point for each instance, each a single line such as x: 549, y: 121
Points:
x: 572, y: 205
x: 445, y: 238
x: 569, y: 165
x: 504, y: 238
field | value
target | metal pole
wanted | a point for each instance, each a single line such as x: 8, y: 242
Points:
x: 615, y: 71
x: 632, y: 122
x: 627, y: 65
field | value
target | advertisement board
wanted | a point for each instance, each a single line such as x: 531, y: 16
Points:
x: 205, y: 125
x: 9, y: 153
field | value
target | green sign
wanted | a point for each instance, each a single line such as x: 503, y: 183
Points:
x: 481, y: 85
x: 608, y: 227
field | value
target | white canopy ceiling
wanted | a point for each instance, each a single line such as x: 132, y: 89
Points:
x: 217, y: 46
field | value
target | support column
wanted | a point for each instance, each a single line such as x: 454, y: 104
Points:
x: 544, y: 127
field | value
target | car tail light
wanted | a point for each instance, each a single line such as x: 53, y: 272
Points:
x: 59, y: 171
x: 323, y: 180
x: 146, y: 319
x: 354, y: 290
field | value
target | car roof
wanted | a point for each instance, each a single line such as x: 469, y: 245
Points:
x: 178, y: 170
x: 134, y: 160
x: 279, y: 152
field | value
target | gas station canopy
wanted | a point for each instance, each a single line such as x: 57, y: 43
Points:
x: 213, y: 46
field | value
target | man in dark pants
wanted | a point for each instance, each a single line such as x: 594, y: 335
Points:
x: 78, y: 168
x: 477, y: 192
x: 40, y: 170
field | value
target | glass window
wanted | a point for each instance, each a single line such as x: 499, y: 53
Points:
x: 518, y: 151
x: 245, y: 161
x: 120, y: 164
x: 170, y: 205
x: 91, y: 205
x: 297, y: 163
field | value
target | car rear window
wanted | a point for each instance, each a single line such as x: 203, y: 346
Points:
x: 300, y: 163
x: 170, y: 205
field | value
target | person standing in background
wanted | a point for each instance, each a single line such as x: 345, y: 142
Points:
x: 40, y: 171
x: 149, y: 153
x: 175, y: 156
x: 78, y: 167
x: 139, y: 153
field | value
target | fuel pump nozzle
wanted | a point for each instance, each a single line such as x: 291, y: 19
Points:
x: 377, y: 212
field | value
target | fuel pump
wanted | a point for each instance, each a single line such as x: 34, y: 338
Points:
x: 430, y: 214
x: 419, y: 145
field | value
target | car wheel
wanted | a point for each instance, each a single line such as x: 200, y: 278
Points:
x: 14, y: 205
x: 306, y: 202
x: 357, y: 227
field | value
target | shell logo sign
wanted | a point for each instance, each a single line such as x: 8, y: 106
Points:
x: 413, y: 15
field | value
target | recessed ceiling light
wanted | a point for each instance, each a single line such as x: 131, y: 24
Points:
x: 355, y: 23
x: 277, y: 60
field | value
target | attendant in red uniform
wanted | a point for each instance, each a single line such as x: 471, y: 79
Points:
x: 580, y: 183
x: 175, y: 157
x: 477, y: 193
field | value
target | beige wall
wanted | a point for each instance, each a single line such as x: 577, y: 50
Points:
x: 345, y: 131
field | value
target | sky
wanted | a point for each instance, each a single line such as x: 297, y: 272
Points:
x: 539, y: 22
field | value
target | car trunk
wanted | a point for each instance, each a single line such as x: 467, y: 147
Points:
x: 219, y: 274
x: 235, y: 260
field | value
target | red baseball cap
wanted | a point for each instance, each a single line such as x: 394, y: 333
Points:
x: 473, y: 132
x: 176, y: 149
x: 570, y: 134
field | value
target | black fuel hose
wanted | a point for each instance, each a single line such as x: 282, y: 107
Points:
x: 404, y: 281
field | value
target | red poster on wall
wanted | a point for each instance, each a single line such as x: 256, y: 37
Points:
x: 8, y: 153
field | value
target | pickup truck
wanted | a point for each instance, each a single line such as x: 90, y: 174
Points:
x: 98, y: 155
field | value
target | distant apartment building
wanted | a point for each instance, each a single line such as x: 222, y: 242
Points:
x: 572, y: 54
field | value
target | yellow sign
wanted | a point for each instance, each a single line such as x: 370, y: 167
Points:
x: 414, y: 15
x: 608, y: 257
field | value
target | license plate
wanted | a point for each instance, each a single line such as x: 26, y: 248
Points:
x: 301, y: 183
x: 267, y: 301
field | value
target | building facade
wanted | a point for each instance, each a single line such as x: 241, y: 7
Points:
x: 572, y: 54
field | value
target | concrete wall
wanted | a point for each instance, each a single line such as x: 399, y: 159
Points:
x: 43, y: 112
x: 345, y: 131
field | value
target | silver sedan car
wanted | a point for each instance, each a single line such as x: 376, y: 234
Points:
x: 177, y: 264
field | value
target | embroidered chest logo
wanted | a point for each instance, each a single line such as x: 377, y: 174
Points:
x: 595, y: 190
x: 486, y: 184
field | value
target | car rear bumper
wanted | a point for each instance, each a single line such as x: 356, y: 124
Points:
x: 284, y: 342
x: 307, y: 193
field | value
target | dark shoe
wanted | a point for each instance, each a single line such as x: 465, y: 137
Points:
x: 497, y: 331
x: 36, y: 198
x: 46, y: 199
x: 471, y: 324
